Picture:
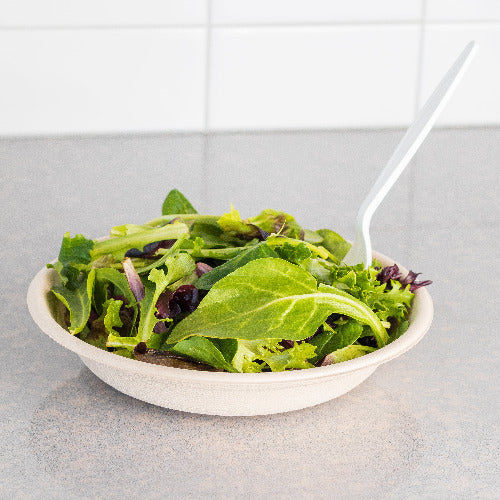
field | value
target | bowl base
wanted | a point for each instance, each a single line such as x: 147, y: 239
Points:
x: 248, y: 399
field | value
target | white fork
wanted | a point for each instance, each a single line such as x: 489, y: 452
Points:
x: 361, y: 250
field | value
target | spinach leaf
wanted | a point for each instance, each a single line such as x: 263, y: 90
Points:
x: 273, y: 299
x: 177, y: 203
x: 260, y: 251
x: 77, y: 302
x: 330, y: 340
x: 203, y: 350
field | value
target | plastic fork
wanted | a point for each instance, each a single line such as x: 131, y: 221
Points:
x: 361, y: 250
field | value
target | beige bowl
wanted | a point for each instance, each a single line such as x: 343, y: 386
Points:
x: 221, y: 393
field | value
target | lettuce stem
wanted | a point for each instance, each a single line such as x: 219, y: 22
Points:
x: 138, y: 240
x: 187, y: 218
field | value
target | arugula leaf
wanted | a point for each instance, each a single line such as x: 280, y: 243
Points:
x: 203, y: 350
x: 73, y: 251
x: 177, y: 203
x: 77, y: 302
x: 273, y: 299
x: 334, y: 243
x: 256, y: 355
x: 206, y: 281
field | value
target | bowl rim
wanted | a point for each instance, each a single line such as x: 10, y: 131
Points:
x: 421, y: 315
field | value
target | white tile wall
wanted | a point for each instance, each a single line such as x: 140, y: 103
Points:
x: 477, y: 98
x: 463, y: 10
x: 313, y: 11
x: 80, y: 81
x: 90, y: 66
x: 312, y: 77
x: 55, y: 13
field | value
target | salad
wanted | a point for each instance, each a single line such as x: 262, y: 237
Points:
x: 229, y: 294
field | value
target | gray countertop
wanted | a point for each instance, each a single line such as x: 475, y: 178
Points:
x: 422, y: 426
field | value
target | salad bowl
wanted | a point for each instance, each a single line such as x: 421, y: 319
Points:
x: 223, y: 393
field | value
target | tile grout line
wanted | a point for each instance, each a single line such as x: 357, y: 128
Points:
x: 208, y: 63
x: 206, y: 107
x: 417, y: 161
x: 252, y: 25
x: 420, y: 57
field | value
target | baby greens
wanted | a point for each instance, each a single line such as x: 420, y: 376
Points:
x: 227, y: 293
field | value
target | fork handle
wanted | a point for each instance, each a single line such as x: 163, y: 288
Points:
x: 361, y: 250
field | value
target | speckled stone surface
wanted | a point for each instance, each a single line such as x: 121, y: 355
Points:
x: 423, y: 426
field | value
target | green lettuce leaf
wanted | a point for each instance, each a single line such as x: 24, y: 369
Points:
x: 399, y: 330
x: 233, y: 224
x: 73, y: 256
x: 293, y: 253
x: 177, y: 203
x: 118, y: 246
x: 256, y: 355
x: 207, y: 280
x: 77, y: 301
x: 273, y: 299
x: 347, y: 353
x: 118, y: 280
x: 334, y: 243
x: 269, y: 220
x: 274, y: 221
x: 362, y: 283
x: 112, y: 316
x: 178, y: 266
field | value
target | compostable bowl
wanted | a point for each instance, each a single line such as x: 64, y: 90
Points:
x: 222, y: 393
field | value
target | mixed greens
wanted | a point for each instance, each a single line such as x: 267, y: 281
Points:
x: 222, y: 293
